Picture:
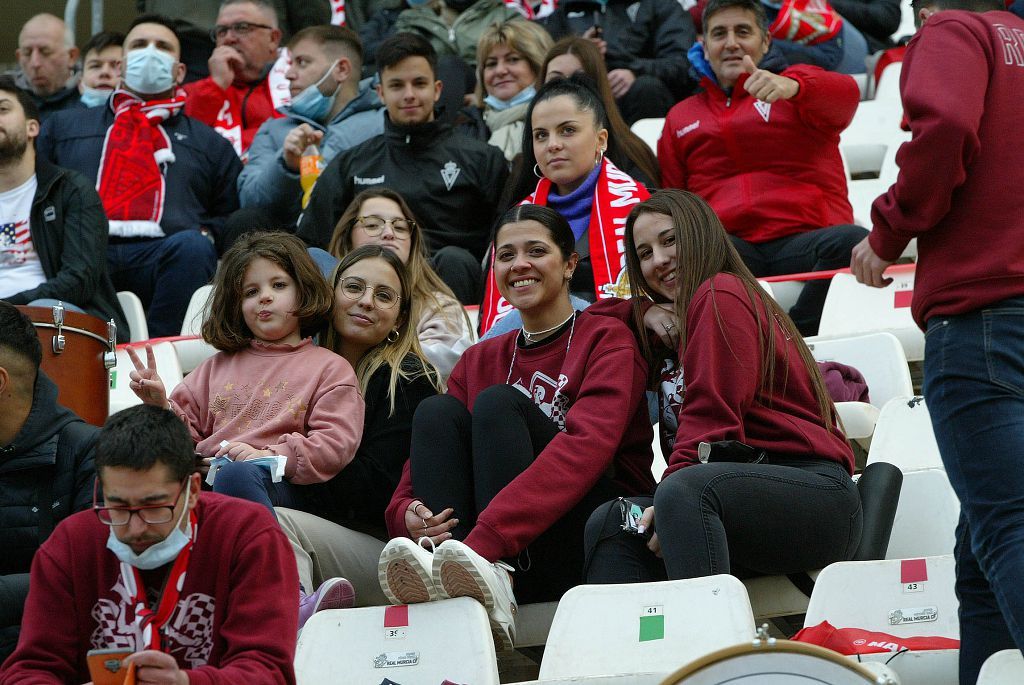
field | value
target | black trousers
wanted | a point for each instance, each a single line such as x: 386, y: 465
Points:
x: 744, y: 519
x: 463, y: 459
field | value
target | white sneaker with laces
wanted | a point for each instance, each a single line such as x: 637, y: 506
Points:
x: 405, y: 572
x: 458, y: 571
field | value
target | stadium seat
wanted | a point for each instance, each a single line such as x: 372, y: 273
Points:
x: 904, y: 436
x: 131, y: 305
x: 878, y: 356
x: 192, y: 352
x: 888, y: 87
x: 1003, y: 668
x: 196, y: 313
x: 926, y: 516
x: 644, y: 628
x: 533, y: 623
x: 649, y: 131
x: 413, y: 644
x: 167, y: 364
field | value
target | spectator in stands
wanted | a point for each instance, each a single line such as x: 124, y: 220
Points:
x: 877, y: 20
x: 48, y: 61
x: 958, y: 194
x: 167, y: 181
x: 269, y: 392
x: 454, y: 27
x: 568, y: 147
x: 331, y: 108
x: 573, y: 54
x: 97, y: 582
x: 241, y: 91
x: 381, y: 216
x: 102, y: 60
x: 378, y: 27
x: 345, y: 535
x: 644, y: 44
x: 763, y: 149
x: 41, y: 443
x: 451, y: 181
x: 509, y: 59
x: 790, y: 505
x: 537, y: 425
x: 53, y: 233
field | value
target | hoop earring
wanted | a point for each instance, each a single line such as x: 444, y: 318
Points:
x: 600, y: 156
x: 536, y: 171
x: 394, y: 331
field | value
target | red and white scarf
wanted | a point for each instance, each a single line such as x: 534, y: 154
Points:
x: 230, y: 115
x: 615, y: 195
x: 526, y: 8
x: 131, y: 184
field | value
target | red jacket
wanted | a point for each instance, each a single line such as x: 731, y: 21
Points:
x: 961, y: 177
x: 768, y: 171
x: 235, y: 621
x: 723, y: 371
x: 606, y: 428
x: 248, y: 106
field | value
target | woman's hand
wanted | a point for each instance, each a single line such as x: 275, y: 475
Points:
x: 646, y: 522
x: 145, y: 381
x: 239, y: 451
x: 662, y: 321
x: 423, y: 523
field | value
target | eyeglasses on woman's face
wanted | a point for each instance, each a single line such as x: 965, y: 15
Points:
x: 384, y: 297
x: 374, y: 226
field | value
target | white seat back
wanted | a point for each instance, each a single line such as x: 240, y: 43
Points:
x: 649, y: 131
x: 418, y: 644
x: 926, y: 516
x: 197, y: 312
x: 167, y: 365
x: 904, y: 436
x: 644, y: 627
x: 131, y: 305
x: 878, y: 356
x: 1003, y: 668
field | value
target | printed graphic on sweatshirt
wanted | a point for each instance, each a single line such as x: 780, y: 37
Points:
x: 449, y: 173
x: 187, y: 636
x: 15, y: 243
x: 672, y: 390
x: 546, y: 393
x: 250, y: 404
x: 763, y: 108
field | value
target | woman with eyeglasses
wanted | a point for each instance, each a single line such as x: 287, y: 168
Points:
x: 380, y: 216
x: 372, y: 328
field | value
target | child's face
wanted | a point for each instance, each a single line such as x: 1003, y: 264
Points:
x: 269, y: 300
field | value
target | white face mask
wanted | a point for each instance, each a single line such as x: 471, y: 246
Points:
x: 94, y: 97
x: 149, y: 71
x: 157, y: 555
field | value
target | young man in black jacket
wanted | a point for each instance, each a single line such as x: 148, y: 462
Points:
x: 53, y: 232
x: 452, y: 182
x: 46, y: 464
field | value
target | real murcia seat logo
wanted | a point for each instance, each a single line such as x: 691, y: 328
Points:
x: 763, y: 108
x: 449, y: 173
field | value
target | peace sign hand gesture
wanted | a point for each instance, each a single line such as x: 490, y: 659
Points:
x: 145, y: 381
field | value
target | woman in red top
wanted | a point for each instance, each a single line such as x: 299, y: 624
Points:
x: 787, y: 502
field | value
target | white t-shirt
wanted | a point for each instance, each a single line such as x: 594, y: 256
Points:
x: 20, y: 268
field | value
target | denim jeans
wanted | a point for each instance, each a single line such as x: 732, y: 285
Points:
x: 974, y: 382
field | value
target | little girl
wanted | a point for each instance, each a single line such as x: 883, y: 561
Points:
x: 269, y: 391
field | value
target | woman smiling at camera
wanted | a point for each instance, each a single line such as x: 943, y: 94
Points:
x: 537, y: 426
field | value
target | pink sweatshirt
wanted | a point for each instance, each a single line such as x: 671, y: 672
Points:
x: 300, y: 401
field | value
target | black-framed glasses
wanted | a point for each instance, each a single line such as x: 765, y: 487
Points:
x: 374, y: 226
x: 240, y: 28
x: 149, y: 513
x: 384, y: 297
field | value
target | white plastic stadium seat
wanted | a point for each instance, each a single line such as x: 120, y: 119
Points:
x: 649, y: 131
x: 644, y: 628
x: 413, y: 644
x: 1003, y: 668
x: 904, y: 436
x: 926, y: 516
x: 167, y: 365
x: 131, y: 305
x: 196, y: 313
x: 878, y: 356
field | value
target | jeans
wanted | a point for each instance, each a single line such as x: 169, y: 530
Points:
x: 974, y: 382
x: 251, y: 482
x: 818, y: 250
x: 324, y: 260
x: 745, y: 519
x: 50, y: 302
x: 163, y: 272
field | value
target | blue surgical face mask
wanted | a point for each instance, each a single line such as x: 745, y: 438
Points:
x: 149, y: 71
x: 157, y: 555
x: 94, y: 97
x: 525, y: 95
x: 313, y: 104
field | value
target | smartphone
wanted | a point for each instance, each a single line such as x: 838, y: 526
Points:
x: 729, y: 451
x: 107, y: 667
x: 631, y: 513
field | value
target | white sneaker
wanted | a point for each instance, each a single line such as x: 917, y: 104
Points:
x: 458, y: 571
x: 405, y: 572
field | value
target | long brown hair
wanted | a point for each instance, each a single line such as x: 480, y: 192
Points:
x: 629, y: 143
x: 703, y: 250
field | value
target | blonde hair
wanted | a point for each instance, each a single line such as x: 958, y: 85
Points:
x: 527, y: 38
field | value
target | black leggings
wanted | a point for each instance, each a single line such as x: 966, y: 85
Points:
x: 745, y: 519
x: 463, y: 460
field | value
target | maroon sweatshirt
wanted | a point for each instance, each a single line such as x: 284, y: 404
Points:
x: 723, y: 371
x: 604, y: 425
x: 960, y: 190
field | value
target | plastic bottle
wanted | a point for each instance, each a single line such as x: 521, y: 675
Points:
x: 310, y: 166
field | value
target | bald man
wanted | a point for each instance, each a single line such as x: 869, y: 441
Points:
x: 48, y: 61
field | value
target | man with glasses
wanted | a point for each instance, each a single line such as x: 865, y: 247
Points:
x: 198, y: 588
x: 46, y: 463
x: 242, y: 90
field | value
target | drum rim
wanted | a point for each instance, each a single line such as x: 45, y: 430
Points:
x: 781, y: 646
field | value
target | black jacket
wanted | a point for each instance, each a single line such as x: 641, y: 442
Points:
x: 46, y: 474
x: 452, y: 182
x: 645, y: 36
x: 69, y: 233
x: 876, y: 19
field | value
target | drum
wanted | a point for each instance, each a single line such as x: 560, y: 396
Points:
x: 767, y: 661
x: 78, y: 351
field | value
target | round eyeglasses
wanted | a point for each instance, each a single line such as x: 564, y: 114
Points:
x: 384, y: 297
x: 374, y: 226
